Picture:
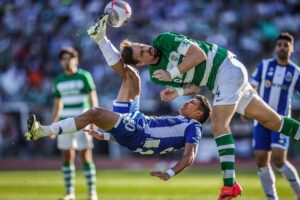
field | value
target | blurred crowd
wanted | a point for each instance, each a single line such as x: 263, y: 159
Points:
x: 33, y: 32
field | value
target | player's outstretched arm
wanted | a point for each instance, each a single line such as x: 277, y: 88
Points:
x: 187, y: 160
x: 169, y: 94
x: 193, y: 57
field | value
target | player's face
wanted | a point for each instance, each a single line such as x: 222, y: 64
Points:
x: 68, y: 63
x: 145, y: 54
x: 190, y: 108
x: 283, y: 49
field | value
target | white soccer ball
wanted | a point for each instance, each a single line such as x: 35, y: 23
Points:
x: 119, y: 13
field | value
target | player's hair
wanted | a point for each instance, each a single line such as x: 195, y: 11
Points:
x: 127, y: 53
x: 68, y: 50
x: 285, y: 36
x: 205, y: 107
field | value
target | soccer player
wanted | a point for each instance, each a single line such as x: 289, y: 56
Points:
x: 74, y: 92
x: 184, y: 63
x: 276, y: 79
x: 134, y: 130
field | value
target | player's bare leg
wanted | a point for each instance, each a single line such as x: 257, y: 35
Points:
x: 220, y: 121
x: 264, y: 114
x: 266, y: 173
x: 97, y: 32
x: 89, y: 169
x: 289, y: 172
x: 101, y: 117
x: 131, y: 86
x: 68, y: 170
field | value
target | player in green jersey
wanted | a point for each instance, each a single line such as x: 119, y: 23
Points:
x: 186, y: 64
x: 74, y: 92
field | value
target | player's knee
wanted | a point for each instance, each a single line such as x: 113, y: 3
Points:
x: 278, y: 161
x: 262, y: 159
x: 219, y: 128
x: 261, y: 162
x: 95, y: 113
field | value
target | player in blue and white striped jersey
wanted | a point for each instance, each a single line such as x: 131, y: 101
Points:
x: 276, y: 80
x: 132, y: 129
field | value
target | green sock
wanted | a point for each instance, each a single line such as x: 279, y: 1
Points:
x: 68, y: 171
x: 90, y: 174
x: 226, y: 151
x: 290, y: 128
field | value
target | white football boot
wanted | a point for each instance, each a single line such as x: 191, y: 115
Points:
x: 35, y: 130
x: 68, y: 197
x: 93, y: 196
x: 98, y: 30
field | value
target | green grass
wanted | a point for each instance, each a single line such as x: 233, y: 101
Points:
x: 131, y: 185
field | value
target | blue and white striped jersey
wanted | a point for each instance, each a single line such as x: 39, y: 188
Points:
x: 276, y: 84
x: 155, y: 135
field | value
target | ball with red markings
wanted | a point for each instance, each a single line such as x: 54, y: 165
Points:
x: 119, y: 13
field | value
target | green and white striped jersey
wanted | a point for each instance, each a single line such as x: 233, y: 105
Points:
x: 173, y: 47
x: 73, y: 90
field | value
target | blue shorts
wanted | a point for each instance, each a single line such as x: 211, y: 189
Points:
x: 265, y: 139
x: 126, y: 107
x: 128, y: 131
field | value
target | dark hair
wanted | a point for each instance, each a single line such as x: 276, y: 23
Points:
x: 126, y: 53
x: 205, y: 107
x: 68, y: 50
x: 285, y: 36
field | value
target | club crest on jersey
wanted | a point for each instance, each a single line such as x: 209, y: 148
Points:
x: 178, y: 39
x: 288, y: 76
x: 268, y: 84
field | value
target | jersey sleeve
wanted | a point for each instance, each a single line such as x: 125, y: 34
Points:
x: 256, y: 76
x: 193, y: 133
x: 297, y: 85
x: 89, y: 84
x: 172, y: 42
x: 56, y: 92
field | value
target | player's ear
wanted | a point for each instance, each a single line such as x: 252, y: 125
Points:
x: 292, y: 48
x: 198, y: 114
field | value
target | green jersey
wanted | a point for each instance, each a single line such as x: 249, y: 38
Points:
x: 173, y: 48
x: 73, y: 90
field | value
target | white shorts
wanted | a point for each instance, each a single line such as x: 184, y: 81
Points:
x: 232, y: 86
x: 78, y: 140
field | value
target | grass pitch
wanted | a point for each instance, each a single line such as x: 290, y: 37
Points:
x: 132, y: 185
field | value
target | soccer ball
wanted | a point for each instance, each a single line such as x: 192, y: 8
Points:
x: 119, y: 13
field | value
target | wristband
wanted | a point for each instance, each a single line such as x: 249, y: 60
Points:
x: 170, y: 172
x: 106, y: 136
x: 180, y: 91
x: 174, y: 72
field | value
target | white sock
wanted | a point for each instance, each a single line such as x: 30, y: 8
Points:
x: 291, y: 174
x: 267, y: 179
x: 109, y: 51
x: 61, y: 127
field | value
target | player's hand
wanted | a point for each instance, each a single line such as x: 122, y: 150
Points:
x: 161, y: 175
x: 96, y: 134
x: 162, y: 75
x: 168, y: 94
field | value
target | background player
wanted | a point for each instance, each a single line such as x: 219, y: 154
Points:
x: 276, y: 79
x: 74, y: 92
x: 185, y: 64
